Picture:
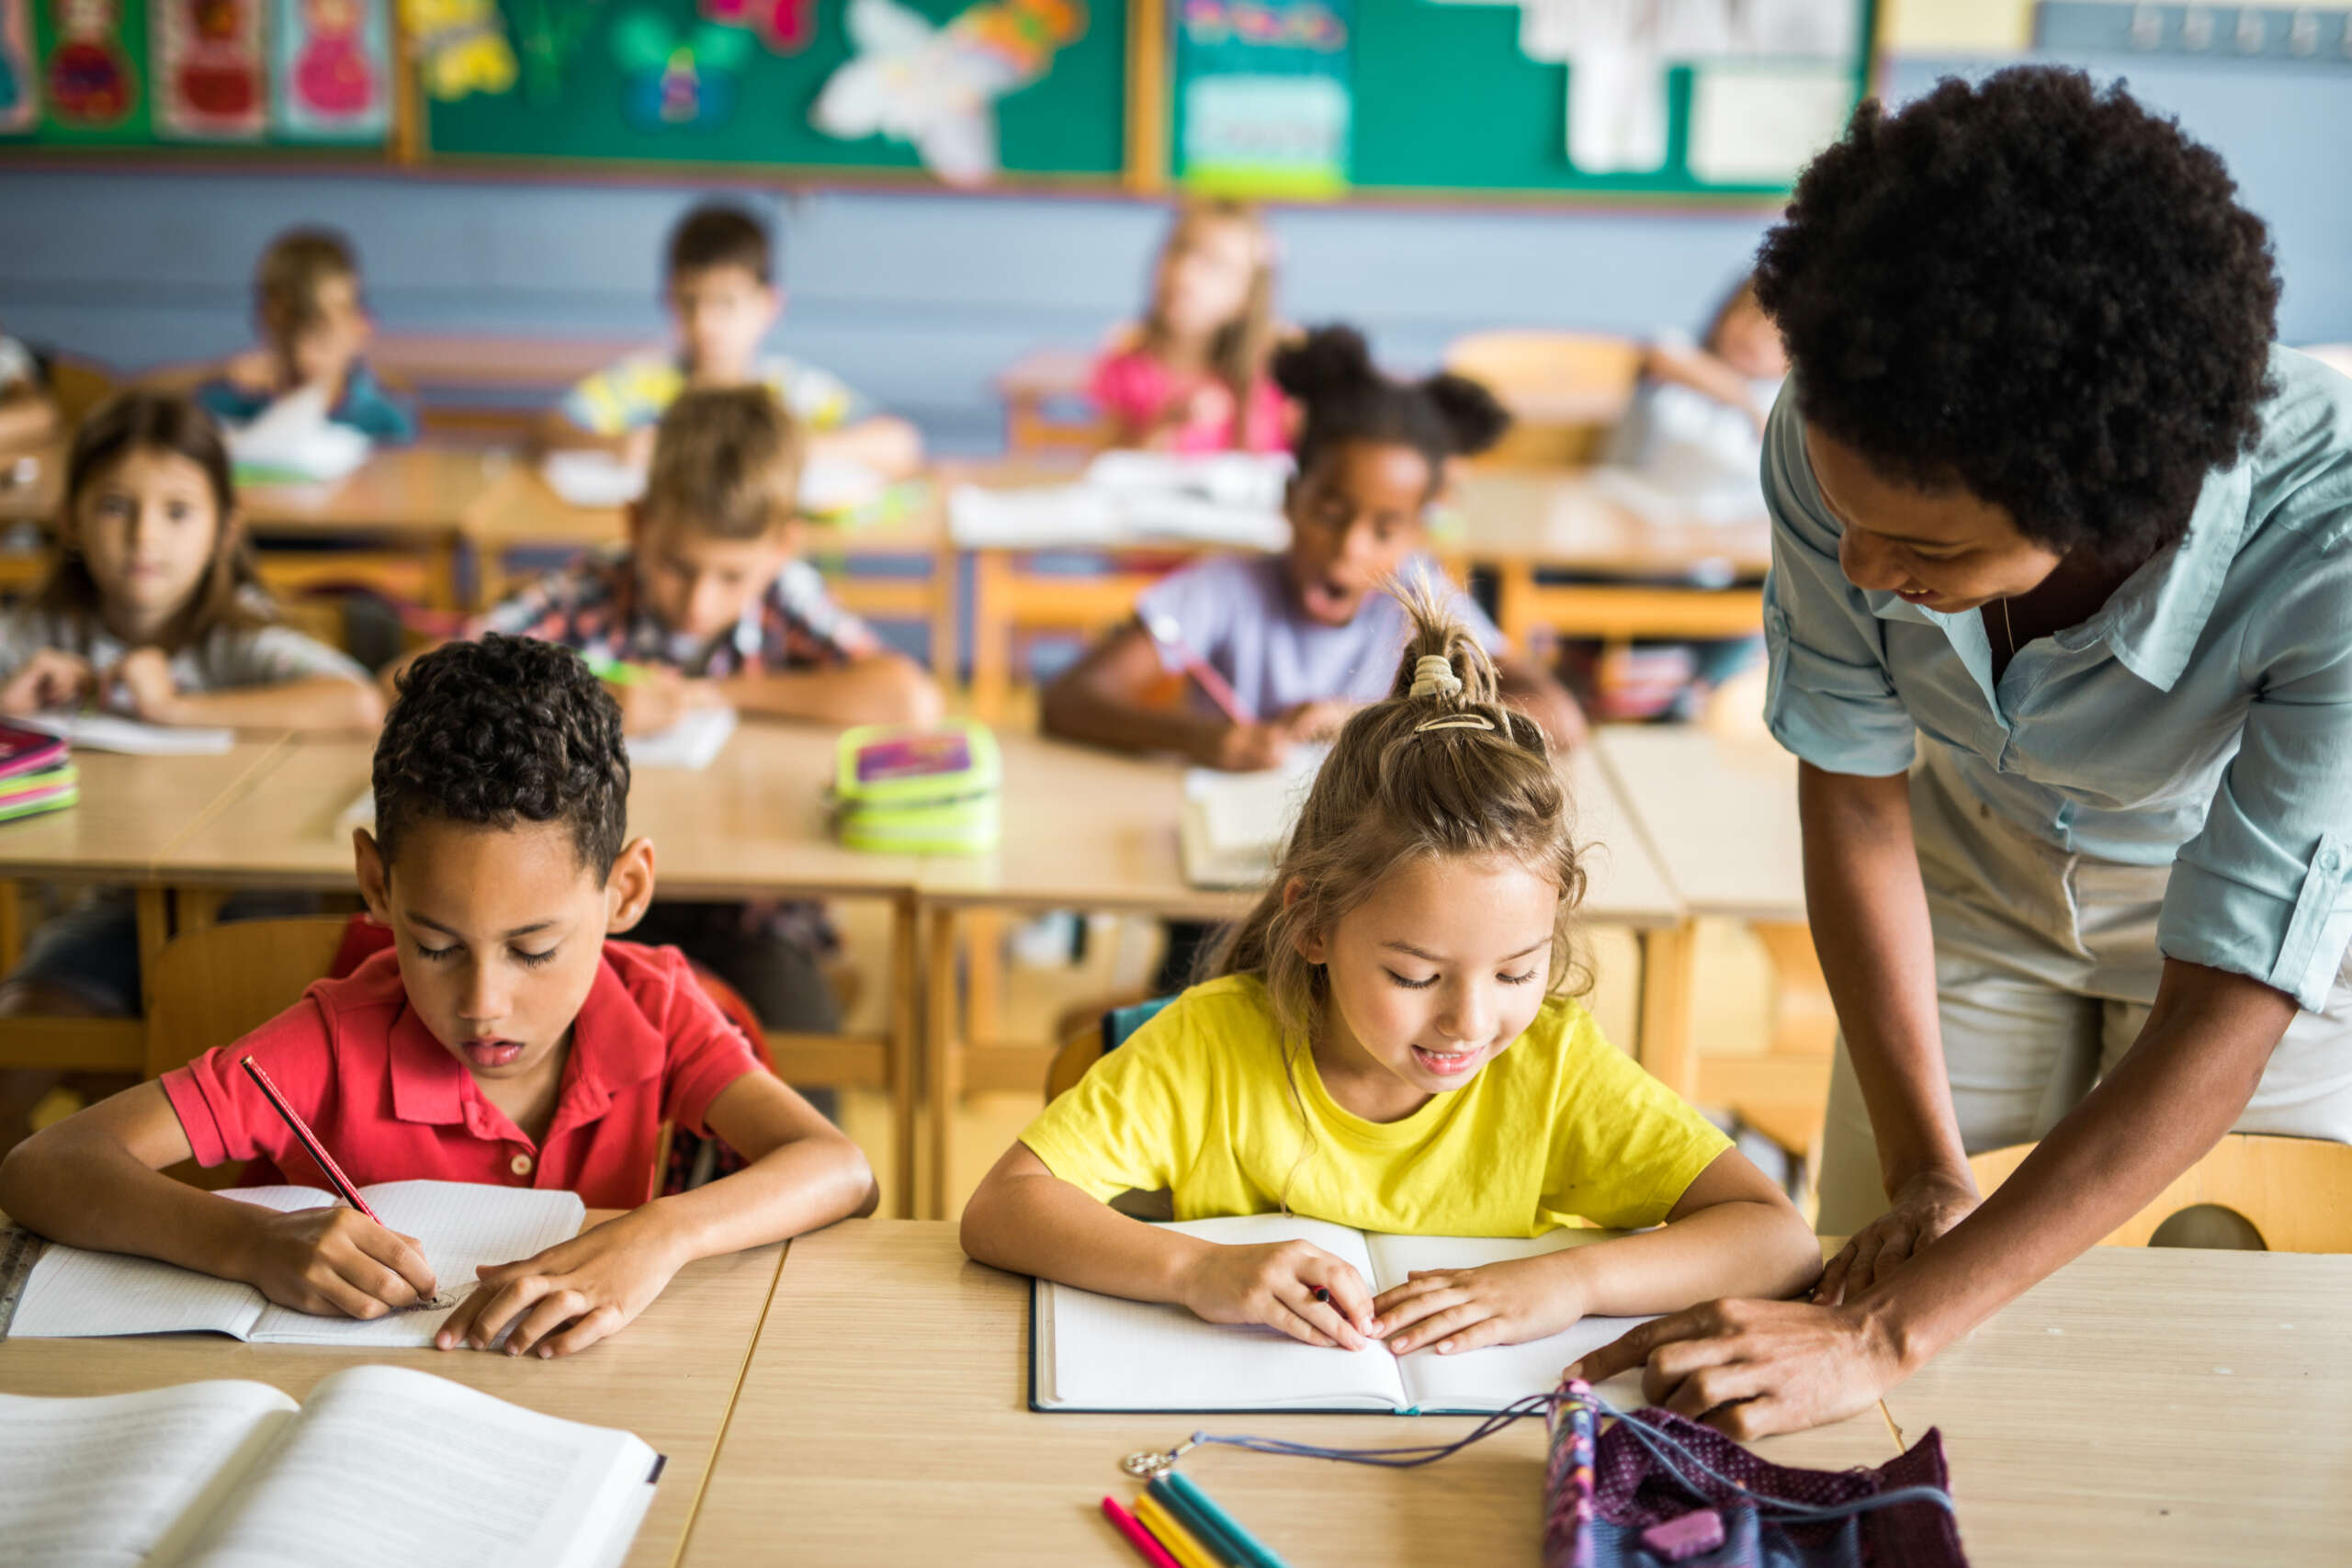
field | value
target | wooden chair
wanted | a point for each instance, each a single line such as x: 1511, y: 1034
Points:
x: 79, y: 385
x: 1046, y: 409
x: 1089, y: 1045
x: 1564, y: 389
x: 2295, y: 1192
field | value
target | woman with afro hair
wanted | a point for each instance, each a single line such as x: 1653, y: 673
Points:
x: 2060, y: 624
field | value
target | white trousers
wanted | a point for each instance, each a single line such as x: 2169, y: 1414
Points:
x: 2046, y: 964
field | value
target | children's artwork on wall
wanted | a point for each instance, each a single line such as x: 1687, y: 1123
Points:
x: 461, y: 47
x: 1771, y: 80
x: 937, y: 88
x: 677, y: 81
x: 210, y: 73
x: 332, y: 68
x: 1263, y: 96
x: 92, y: 85
x: 548, y: 36
x: 785, y: 27
x: 19, y: 95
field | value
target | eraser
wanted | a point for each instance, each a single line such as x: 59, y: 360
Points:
x: 1679, y: 1541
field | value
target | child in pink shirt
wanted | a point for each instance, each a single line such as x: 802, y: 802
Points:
x: 1192, y: 377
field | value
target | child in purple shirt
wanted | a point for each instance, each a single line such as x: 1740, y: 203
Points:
x: 1306, y: 636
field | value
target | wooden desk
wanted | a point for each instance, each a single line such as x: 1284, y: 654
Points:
x: 670, y: 1377
x: 884, y: 1420
x: 1090, y: 829
x: 1722, y: 818
x: 131, y: 811
x: 1518, y: 522
x: 751, y: 825
x: 1047, y: 405
x: 2152, y: 1406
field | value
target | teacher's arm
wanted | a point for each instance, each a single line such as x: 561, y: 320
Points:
x: 1754, y: 1368
x: 1869, y: 914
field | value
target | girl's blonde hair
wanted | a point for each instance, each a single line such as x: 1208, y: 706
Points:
x: 1240, y: 348
x: 1440, y: 767
x: 230, y: 592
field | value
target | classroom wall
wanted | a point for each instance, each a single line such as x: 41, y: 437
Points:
x: 920, y: 298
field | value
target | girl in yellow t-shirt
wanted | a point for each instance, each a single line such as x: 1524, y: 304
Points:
x: 1387, y: 1047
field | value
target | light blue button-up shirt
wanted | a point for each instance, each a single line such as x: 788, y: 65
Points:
x: 2202, y: 718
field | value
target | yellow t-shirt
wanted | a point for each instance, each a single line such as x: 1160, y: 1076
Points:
x: 1559, y: 1127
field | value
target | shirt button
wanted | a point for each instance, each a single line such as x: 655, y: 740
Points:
x: 2327, y: 861
x: 520, y: 1165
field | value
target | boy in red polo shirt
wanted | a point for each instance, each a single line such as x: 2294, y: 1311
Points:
x: 504, y: 1039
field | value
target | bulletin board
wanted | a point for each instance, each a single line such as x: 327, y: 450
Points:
x: 1520, y: 97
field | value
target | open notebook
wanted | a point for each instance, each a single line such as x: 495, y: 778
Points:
x: 73, y: 1294
x: 1233, y: 826
x: 385, y: 1468
x: 1091, y: 1352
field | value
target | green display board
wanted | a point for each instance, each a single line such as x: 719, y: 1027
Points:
x: 1445, y: 100
x: 107, y: 67
x: 746, y: 103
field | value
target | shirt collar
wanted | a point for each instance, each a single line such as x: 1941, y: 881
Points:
x: 2154, y: 621
x: 614, y: 1046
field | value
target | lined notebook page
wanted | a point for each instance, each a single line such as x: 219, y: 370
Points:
x: 1490, y: 1378
x: 105, y: 1480
x: 462, y: 1226
x: 1104, y: 1353
x: 439, y: 1474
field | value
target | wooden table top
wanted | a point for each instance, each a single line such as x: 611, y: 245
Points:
x: 1720, y: 815
x: 751, y: 825
x: 1093, y: 829
x: 670, y: 1377
x: 1559, y: 519
x: 132, y: 810
x: 2152, y: 1406
x: 884, y: 1420
x: 407, y: 490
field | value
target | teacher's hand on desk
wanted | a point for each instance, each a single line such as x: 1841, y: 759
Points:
x: 1923, y: 1209
x: 1751, y: 1368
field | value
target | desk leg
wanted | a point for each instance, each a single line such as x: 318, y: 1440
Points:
x: 154, y: 906
x: 906, y: 1047
x: 441, y: 572
x: 942, y: 1047
x: 11, y: 927
x: 1515, y: 601
x: 947, y: 585
x: 198, y: 908
x: 1663, y: 1043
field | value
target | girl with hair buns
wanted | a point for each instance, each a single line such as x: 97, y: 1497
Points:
x: 1305, y: 636
x: 1389, y: 1044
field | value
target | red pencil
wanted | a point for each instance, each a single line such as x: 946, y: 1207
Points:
x: 1163, y: 630
x: 1147, y: 1546
x: 310, y: 1140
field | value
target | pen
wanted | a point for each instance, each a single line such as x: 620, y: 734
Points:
x: 1147, y: 1548
x: 1163, y: 630
x: 619, y: 673
x: 310, y: 1140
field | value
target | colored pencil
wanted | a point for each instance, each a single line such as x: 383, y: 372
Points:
x: 1127, y: 1525
x: 310, y: 1140
x: 1162, y: 629
x: 1180, y: 1543
x: 1253, y: 1551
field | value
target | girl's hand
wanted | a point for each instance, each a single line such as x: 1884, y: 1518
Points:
x: 569, y: 1296
x: 1275, y: 1285
x: 256, y: 371
x: 50, y: 678
x: 145, y: 677
x: 1462, y: 1309
x: 650, y: 700
x: 1318, y: 720
x: 1249, y: 748
x: 334, y: 1261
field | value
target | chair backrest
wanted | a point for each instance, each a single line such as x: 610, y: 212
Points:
x: 2295, y: 1192
x: 1564, y: 389
x: 220, y: 982
x: 1089, y: 1045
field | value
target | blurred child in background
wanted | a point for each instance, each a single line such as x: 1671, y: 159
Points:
x: 314, y: 332
x: 1193, y: 376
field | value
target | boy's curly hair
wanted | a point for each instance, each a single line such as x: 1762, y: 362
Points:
x: 499, y: 732
x: 2036, y: 289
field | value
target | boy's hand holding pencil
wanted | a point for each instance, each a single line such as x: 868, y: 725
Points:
x: 335, y: 1262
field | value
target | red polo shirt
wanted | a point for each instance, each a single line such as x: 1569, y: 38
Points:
x: 391, y: 1103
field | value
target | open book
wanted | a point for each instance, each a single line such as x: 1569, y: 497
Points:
x: 74, y: 1294
x: 1091, y: 1352
x: 386, y: 1469
x: 94, y: 731
x: 1233, y: 826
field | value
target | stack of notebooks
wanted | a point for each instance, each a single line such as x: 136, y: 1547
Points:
x: 932, y: 790
x: 36, y: 773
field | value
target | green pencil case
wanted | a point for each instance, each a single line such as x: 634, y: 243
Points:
x: 932, y: 789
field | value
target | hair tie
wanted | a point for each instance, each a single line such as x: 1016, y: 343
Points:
x: 1433, y: 676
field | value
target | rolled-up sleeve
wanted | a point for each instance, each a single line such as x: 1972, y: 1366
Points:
x: 1829, y: 698
x: 2264, y: 888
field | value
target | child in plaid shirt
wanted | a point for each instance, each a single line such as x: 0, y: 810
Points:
x: 711, y: 603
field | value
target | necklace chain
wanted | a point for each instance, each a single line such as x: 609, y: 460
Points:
x: 2009, y: 629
